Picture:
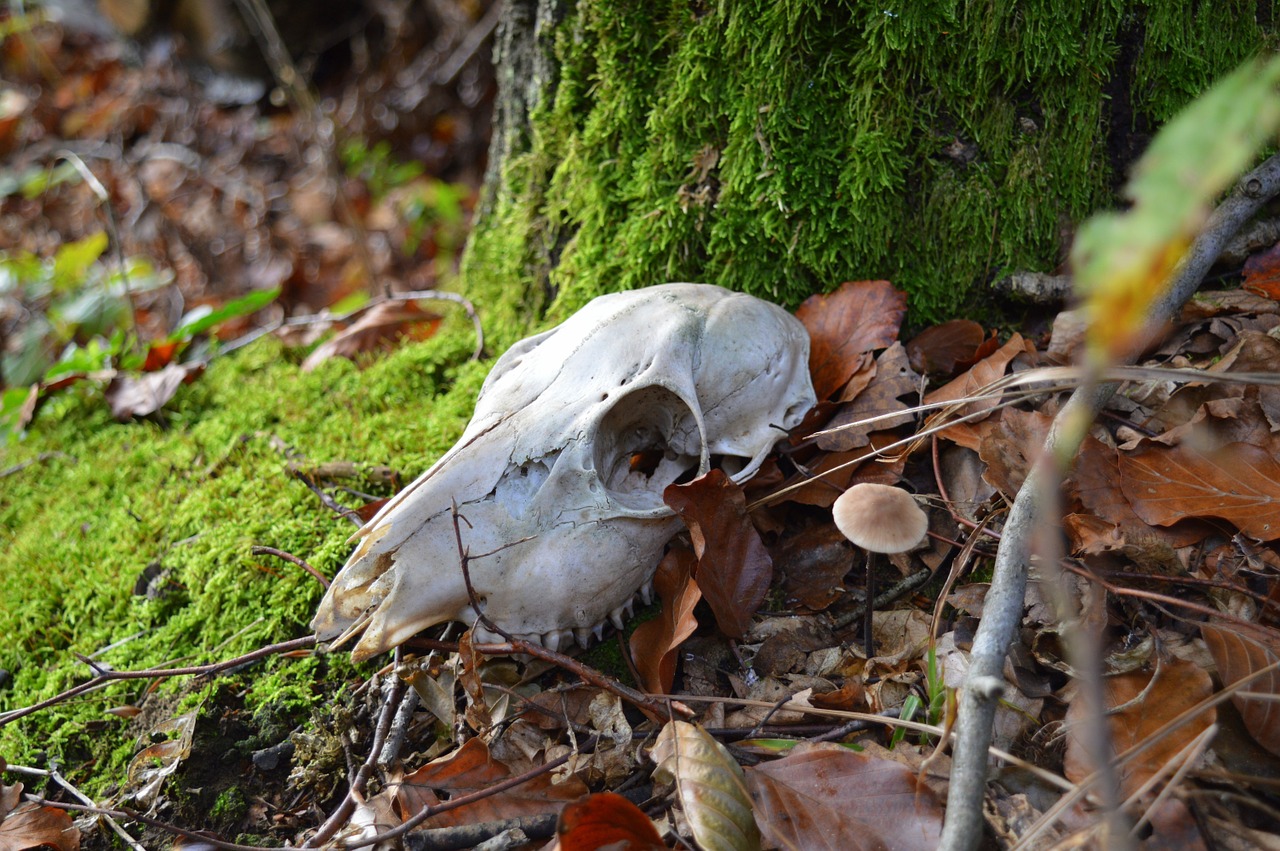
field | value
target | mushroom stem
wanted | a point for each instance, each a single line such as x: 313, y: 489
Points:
x: 868, y: 640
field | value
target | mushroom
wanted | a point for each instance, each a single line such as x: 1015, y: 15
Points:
x: 879, y: 519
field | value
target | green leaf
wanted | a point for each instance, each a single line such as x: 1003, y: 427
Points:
x: 197, y: 321
x: 72, y: 262
x: 16, y: 407
x: 910, y: 707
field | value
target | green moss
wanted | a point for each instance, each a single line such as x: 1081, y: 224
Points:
x: 229, y: 807
x: 782, y: 147
x: 191, y: 494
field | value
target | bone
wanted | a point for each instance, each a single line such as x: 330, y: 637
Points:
x: 559, y: 476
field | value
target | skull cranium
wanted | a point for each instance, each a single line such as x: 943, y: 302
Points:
x: 559, y: 475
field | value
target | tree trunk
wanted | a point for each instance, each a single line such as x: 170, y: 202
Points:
x: 780, y: 148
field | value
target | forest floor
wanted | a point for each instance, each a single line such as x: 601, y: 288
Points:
x: 205, y: 392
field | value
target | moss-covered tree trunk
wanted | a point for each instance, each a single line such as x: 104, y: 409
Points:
x: 782, y: 146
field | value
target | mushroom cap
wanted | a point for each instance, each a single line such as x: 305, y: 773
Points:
x: 880, y: 518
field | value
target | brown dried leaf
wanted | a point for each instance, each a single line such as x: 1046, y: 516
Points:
x: 814, y: 563
x: 826, y: 796
x: 1137, y: 708
x: 558, y: 708
x: 654, y: 643
x: 857, y: 318
x: 893, y: 377
x: 140, y: 395
x: 1097, y: 484
x: 30, y: 826
x: 1011, y: 447
x: 975, y: 378
x: 712, y: 791
x: 379, y: 327
x: 1262, y: 273
x: 1239, y: 483
x: 606, y: 820
x: 1239, y: 651
x: 940, y: 349
x: 470, y: 769
x: 734, y: 568
x: 824, y: 487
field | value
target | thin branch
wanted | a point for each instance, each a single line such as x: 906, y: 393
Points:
x: 471, y: 798
x: 392, y: 689
x: 105, y: 677
x: 291, y: 558
x: 1002, y: 612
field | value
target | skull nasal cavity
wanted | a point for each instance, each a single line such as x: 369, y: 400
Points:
x: 519, y: 484
x: 646, y: 441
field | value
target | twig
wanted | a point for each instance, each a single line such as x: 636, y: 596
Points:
x: 463, y: 800
x: 83, y: 798
x: 392, y: 687
x: 328, y: 501
x: 291, y: 558
x: 399, y: 729
x: 468, y: 835
x: 1002, y: 611
x: 104, y: 677
x: 39, y: 459
x: 414, y: 295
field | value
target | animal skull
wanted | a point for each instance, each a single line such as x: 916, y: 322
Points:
x: 560, y: 473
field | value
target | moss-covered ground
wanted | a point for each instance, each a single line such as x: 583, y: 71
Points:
x: 191, y: 494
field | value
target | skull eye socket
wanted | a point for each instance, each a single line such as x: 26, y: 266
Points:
x: 646, y: 441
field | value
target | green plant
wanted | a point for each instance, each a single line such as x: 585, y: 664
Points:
x: 79, y: 322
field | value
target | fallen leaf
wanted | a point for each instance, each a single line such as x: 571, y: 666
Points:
x: 1098, y: 485
x: 828, y: 797
x: 606, y: 820
x: 814, y: 564
x: 857, y: 419
x: 710, y: 784
x: 654, y: 643
x: 1240, y: 650
x: 1239, y: 483
x: 734, y: 568
x: 30, y: 826
x: 141, y: 395
x: 857, y: 318
x: 380, y: 326
x: 470, y: 769
x: 940, y: 349
x: 1011, y: 446
x: 1262, y: 273
x: 557, y: 709
x: 970, y: 382
x: 151, y: 765
x: 1137, y: 706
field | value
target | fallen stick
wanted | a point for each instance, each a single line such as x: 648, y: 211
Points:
x: 1002, y: 611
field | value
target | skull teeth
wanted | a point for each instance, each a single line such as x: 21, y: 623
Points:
x: 556, y: 638
x: 646, y: 592
x: 616, y: 616
x: 583, y: 636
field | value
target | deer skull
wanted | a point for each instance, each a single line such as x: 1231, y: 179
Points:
x: 558, y: 478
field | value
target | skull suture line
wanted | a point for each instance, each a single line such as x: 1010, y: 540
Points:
x: 546, y: 476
